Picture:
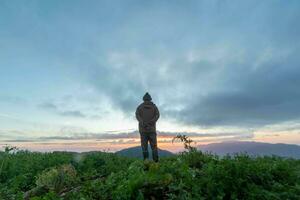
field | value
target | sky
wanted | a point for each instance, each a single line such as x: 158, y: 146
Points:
x: 73, y: 72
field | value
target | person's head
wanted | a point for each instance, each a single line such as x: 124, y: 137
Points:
x: 147, y: 97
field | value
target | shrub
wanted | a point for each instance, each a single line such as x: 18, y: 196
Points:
x: 57, y: 179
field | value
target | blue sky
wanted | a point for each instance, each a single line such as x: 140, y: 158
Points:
x: 78, y: 68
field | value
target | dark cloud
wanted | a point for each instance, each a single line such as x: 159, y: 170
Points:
x: 203, y: 93
x: 48, y: 105
x: 224, y: 69
x: 208, y: 63
x: 250, y: 96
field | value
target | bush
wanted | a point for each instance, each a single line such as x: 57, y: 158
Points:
x: 105, y: 176
x: 57, y: 179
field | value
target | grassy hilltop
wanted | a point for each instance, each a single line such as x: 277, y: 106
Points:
x: 190, y: 175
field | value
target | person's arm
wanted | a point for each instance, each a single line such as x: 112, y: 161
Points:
x: 137, y: 115
x: 156, y: 115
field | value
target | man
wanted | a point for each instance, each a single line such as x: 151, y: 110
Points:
x: 147, y: 114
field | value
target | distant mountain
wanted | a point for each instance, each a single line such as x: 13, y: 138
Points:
x: 136, y: 152
x: 253, y: 148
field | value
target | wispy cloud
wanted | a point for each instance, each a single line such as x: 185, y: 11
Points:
x: 12, y: 99
x: 73, y: 113
x: 48, y: 105
x: 67, y: 113
x: 135, y: 135
x: 117, y: 141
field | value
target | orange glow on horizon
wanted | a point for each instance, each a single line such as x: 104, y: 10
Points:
x: 164, y: 142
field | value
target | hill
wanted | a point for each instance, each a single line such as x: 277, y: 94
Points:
x: 108, y: 176
x: 136, y: 152
x: 252, y: 148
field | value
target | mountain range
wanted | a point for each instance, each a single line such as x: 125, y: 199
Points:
x: 252, y: 148
x: 230, y: 147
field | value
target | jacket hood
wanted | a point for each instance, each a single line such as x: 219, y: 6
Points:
x: 147, y: 97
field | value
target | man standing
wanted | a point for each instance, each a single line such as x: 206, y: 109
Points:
x: 147, y: 114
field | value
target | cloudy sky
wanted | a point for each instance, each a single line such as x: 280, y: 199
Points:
x: 74, y: 71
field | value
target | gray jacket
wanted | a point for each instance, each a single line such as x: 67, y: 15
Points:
x: 147, y: 114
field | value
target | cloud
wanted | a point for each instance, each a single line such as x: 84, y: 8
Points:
x: 13, y: 99
x: 250, y: 96
x: 82, y: 105
x: 207, y: 92
x: 89, y: 141
x: 73, y: 113
x: 223, y: 72
x: 135, y: 135
x: 206, y: 63
x: 50, y: 106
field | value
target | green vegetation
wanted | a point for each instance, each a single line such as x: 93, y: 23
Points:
x: 190, y: 175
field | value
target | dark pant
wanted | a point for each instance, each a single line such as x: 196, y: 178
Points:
x: 149, y: 137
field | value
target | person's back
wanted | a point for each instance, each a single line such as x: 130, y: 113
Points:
x: 147, y: 114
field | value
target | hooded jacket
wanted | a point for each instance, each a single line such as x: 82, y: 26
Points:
x: 147, y: 114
